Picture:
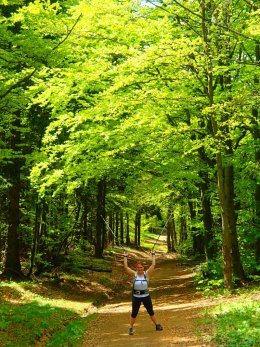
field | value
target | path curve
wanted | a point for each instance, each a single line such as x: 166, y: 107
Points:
x: 177, y: 305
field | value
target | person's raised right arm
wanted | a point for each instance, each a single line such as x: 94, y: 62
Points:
x: 127, y: 268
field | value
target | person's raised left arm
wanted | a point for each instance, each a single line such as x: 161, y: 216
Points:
x: 127, y: 268
x: 152, y: 267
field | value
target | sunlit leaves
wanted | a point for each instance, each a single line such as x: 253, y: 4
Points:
x: 125, y: 86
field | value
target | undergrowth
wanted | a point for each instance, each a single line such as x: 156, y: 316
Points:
x: 236, y: 324
x: 25, y: 324
x: 27, y: 318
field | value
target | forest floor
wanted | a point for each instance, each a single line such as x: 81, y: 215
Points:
x: 178, y: 307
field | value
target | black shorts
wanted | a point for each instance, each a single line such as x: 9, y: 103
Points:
x: 136, y: 303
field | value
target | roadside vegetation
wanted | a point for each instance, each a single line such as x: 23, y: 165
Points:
x: 27, y: 318
x: 49, y: 312
x: 26, y: 323
x: 236, y: 321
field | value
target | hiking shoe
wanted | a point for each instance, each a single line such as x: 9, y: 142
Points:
x: 159, y: 327
x: 130, y: 331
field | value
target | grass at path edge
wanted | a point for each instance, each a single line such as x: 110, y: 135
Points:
x: 234, y: 324
x: 27, y: 319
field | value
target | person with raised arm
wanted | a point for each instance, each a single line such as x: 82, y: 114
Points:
x: 140, y: 293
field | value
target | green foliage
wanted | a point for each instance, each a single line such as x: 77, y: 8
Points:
x: 42, y: 262
x: 250, y: 264
x: 30, y: 322
x: 77, y: 260
x: 71, y: 334
x: 209, y: 275
x: 74, y: 261
x: 186, y: 248
x: 237, y: 324
x: 105, y: 280
x: 24, y: 324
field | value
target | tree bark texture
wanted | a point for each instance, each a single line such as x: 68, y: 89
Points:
x: 127, y: 230
x: 256, y: 136
x: 183, y: 230
x: 100, y: 227
x: 197, y: 237
x: 170, y: 233
x: 209, y: 246
x: 137, y: 228
x: 121, y: 227
x: 12, y: 264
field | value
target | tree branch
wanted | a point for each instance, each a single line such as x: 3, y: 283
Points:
x: 251, y: 3
x: 206, y: 20
x: 17, y: 84
x: 160, y: 7
x: 68, y: 33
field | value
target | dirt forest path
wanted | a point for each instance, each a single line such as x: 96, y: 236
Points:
x: 177, y: 305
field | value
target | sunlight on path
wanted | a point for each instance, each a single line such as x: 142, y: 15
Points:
x: 29, y: 296
x: 110, y: 329
x: 125, y: 307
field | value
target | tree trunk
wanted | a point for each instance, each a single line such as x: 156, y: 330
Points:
x: 121, y: 227
x: 197, y: 237
x: 117, y: 228
x: 111, y: 225
x: 35, y: 237
x: 137, y: 228
x: 41, y: 245
x: 183, y: 230
x: 231, y: 254
x: 174, y: 230
x: 230, y: 197
x: 256, y: 135
x: 224, y: 170
x: 1, y: 245
x: 99, y: 222
x: 12, y: 266
x: 207, y: 217
x: 104, y: 229
x: 127, y: 230
x: 85, y: 226
x: 77, y: 222
x: 170, y: 233
x: 257, y: 221
x: 226, y: 225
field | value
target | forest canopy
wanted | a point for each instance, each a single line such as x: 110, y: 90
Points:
x: 141, y: 112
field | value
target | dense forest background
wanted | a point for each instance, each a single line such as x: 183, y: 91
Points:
x: 144, y: 113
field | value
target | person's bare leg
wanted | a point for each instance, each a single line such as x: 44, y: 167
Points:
x: 132, y: 322
x: 131, y: 328
x: 158, y: 326
x: 153, y: 319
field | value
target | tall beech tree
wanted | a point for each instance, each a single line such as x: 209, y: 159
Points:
x: 12, y: 103
x: 25, y: 53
